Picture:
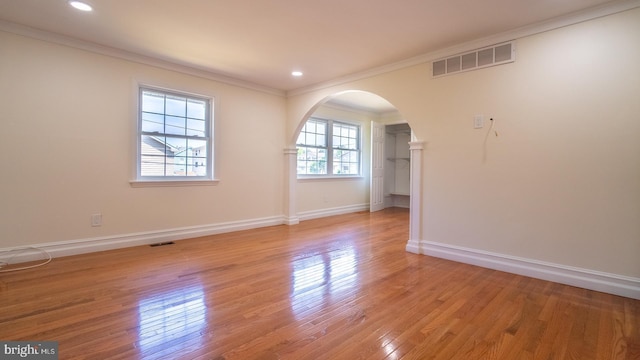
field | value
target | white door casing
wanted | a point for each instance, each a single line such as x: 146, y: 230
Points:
x: 376, y: 193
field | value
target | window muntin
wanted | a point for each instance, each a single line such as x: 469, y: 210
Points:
x: 174, y: 137
x: 328, y: 147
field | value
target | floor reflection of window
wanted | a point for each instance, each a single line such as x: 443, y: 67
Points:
x: 170, y: 316
x: 320, y: 278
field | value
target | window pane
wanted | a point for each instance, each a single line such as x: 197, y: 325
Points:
x: 312, y: 161
x: 152, y: 156
x: 196, y: 127
x: 153, y: 145
x: 176, y: 157
x: 194, y: 159
x: 175, y: 125
x: 178, y: 167
x: 322, y: 154
x: 198, y: 147
x: 199, y: 166
x: 345, y: 162
x: 311, y: 126
x: 312, y: 154
x: 152, y: 122
x: 176, y: 145
x: 353, y: 156
x: 152, y: 165
x: 176, y: 106
x: 152, y: 102
x: 196, y: 109
x: 309, y: 139
x: 318, y: 167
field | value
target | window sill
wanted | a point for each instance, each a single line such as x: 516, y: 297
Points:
x: 172, y: 183
x: 329, y: 178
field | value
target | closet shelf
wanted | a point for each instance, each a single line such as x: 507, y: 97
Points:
x: 399, y: 194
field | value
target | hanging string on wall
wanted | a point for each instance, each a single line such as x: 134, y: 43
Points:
x: 486, y: 137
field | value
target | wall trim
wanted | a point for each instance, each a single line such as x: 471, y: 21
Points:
x: 589, y: 279
x: 189, y: 69
x: 95, y: 244
x: 509, y: 35
x: 167, y: 64
x: 291, y: 220
x: 314, y: 214
x: 413, y: 246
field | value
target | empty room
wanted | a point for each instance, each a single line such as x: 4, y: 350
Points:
x: 358, y: 179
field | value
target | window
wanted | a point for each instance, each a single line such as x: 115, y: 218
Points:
x: 174, y: 136
x: 328, y: 147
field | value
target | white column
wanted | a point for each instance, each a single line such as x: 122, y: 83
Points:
x: 415, y: 185
x: 290, y: 183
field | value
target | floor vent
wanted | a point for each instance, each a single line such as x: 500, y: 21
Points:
x: 477, y: 59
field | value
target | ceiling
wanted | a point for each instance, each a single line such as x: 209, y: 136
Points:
x: 263, y: 41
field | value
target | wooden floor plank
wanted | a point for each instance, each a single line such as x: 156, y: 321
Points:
x: 333, y: 288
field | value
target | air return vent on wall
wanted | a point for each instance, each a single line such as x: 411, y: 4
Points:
x: 476, y: 59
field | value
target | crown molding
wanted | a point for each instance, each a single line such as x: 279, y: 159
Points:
x: 165, y: 64
x: 529, y: 30
x: 548, y: 25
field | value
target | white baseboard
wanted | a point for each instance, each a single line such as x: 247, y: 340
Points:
x: 413, y: 246
x: 291, y: 220
x: 589, y: 279
x: 82, y: 246
x: 314, y: 214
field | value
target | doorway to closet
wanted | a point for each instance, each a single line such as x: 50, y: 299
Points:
x: 390, y: 166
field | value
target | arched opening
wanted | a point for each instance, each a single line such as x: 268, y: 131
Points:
x: 318, y: 195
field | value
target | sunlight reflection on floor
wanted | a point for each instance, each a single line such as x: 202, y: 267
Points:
x: 322, y: 278
x: 168, y: 316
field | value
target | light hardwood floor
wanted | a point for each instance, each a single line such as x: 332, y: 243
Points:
x: 333, y: 288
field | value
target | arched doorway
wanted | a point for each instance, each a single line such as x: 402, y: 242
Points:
x: 380, y: 111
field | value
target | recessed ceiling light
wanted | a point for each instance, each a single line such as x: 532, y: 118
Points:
x: 296, y: 73
x: 82, y: 6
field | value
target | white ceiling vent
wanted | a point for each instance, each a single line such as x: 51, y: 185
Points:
x: 476, y: 59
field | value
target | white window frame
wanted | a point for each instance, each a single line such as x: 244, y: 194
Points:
x: 330, y: 149
x: 208, y: 178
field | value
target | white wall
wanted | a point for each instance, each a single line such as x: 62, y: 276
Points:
x: 67, y: 145
x: 561, y: 182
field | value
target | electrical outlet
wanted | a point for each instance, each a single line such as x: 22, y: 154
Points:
x: 478, y: 122
x: 96, y: 220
